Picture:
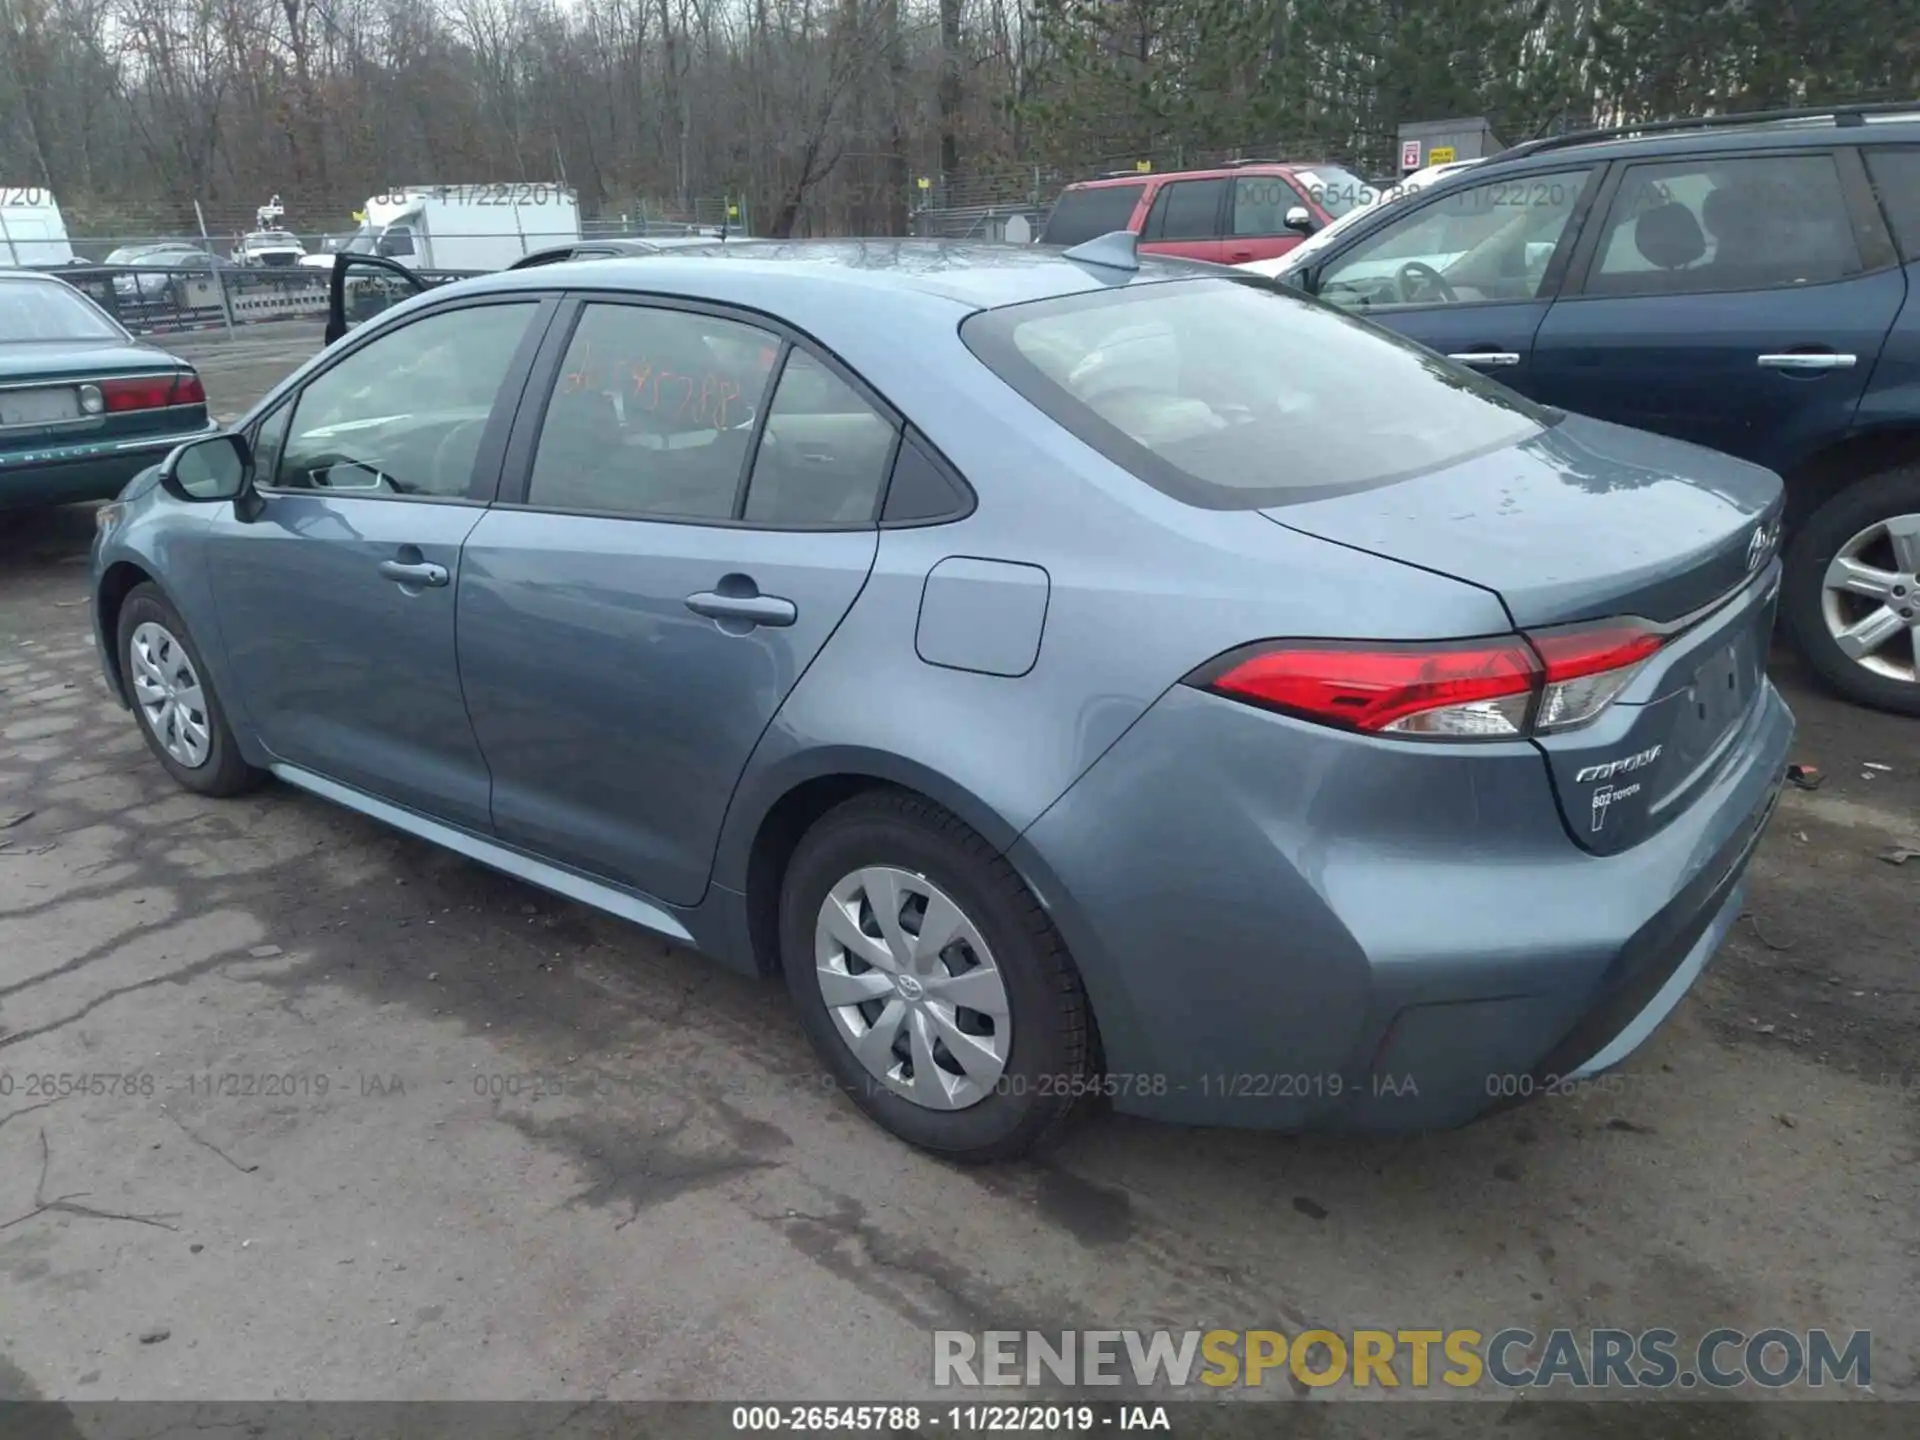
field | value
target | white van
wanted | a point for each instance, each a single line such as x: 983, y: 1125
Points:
x: 32, y: 231
x: 462, y: 227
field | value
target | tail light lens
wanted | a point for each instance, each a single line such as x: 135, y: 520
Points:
x: 151, y: 392
x: 1498, y: 688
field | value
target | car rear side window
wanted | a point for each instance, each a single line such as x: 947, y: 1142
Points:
x: 1187, y: 210
x: 1235, y: 394
x: 653, y: 414
x: 1746, y: 223
x: 1081, y: 215
x: 1896, y: 175
x: 824, y: 452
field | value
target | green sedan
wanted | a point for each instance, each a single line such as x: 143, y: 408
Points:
x: 84, y: 406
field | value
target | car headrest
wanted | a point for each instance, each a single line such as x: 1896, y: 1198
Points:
x: 1726, y: 211
x: 1668, y: 236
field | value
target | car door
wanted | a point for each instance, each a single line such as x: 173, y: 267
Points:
x: 1188, y: 218
x: 1739, y: 301
x: 359, y: 287
x: 1470, y: 272
x: 335, y: 591
x: 683, y: 524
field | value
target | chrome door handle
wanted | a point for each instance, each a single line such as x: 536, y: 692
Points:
x: 1824, y: 360
x: 754, y: 609
x: 401, y: 573
x: 1486, y: 357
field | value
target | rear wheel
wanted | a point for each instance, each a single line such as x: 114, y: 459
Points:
x: 931, y: 982
x: 173, y: 697
x: 1852, y: 591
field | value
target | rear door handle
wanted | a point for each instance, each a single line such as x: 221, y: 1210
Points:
x: 1234, y: 257
x: 754, y: 609
x: 1486, y: 357
x: 1813, y: 360
x: 423, y: 573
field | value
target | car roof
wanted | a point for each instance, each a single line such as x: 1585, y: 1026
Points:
x: 1812, y: 132
x: 1209, y: 172
x: 776, y: 274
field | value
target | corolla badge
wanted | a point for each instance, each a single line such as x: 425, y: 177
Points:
x: 1617, y: 767
x: 1760, y: 547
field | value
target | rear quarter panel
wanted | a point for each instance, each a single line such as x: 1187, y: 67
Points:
x: 1141, y: 589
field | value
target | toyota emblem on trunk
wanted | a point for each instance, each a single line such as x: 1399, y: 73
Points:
x: 1761, y: 545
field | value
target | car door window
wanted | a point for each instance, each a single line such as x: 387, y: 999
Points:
x: 1488, y: 242
x: 1748, y: 223
x: 1897, y: 179
x: 404, y: 415
x: 824, y: 451
x: 652, y: 414
x: 1187, y: 210
x: 1260, y: 205
x: 1896, y: 176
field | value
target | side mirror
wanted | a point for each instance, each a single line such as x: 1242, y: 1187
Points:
x: 1299, y: 220
x: 214, y: 467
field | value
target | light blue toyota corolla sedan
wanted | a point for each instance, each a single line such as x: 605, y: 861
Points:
x: 1074, y: 674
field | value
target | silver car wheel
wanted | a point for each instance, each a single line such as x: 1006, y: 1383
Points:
x: 912, y: 988
x: 168, y: 694
x: 1870, y: 598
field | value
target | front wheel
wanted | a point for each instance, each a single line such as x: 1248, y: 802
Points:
x: 1852, y: 591
x: 180, y: 716
x: 931, y: 982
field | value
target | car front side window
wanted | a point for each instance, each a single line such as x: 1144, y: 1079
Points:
x: 404, y: 414
x: 1487, y: 242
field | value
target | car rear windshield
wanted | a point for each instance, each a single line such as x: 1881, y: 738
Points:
x: 1081, y: 215
x: 45, y: 310
x: 1239, y: 393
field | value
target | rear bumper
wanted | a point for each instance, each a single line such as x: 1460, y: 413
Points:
x: 1307, y: 930
x: 96, y: 470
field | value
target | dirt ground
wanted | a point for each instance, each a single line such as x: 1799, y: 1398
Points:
x: 558, y: 1159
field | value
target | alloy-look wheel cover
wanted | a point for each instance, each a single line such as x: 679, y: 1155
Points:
x: 167, y: 691
x: 912, y: 988
x: 1870, y: 598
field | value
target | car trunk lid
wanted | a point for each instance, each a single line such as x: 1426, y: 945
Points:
x: 1589, y: 522
x: 1584, y: 520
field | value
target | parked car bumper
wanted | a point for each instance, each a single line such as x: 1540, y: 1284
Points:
x: 94, y: 470
x: 1329, y: 933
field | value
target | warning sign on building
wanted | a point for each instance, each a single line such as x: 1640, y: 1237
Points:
x: 1410, y: 155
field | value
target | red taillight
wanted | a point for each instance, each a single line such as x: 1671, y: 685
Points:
x: 1506, y: 686
x: 151, y: 392
x: 1586, y: 666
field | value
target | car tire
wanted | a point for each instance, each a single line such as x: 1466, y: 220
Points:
x: 151, y: 635
x: 1808, y: 610
x: 1048, y: 1040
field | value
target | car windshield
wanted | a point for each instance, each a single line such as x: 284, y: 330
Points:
x: 43, y: 310
x: 1335, y: 190
x: 1237, y: 393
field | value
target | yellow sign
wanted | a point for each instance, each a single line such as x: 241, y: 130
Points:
x: 733, y: 212
x: 1143, y: 166
x: 925, y: 183
x: 360, y: 216
x: 1440, y: 155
